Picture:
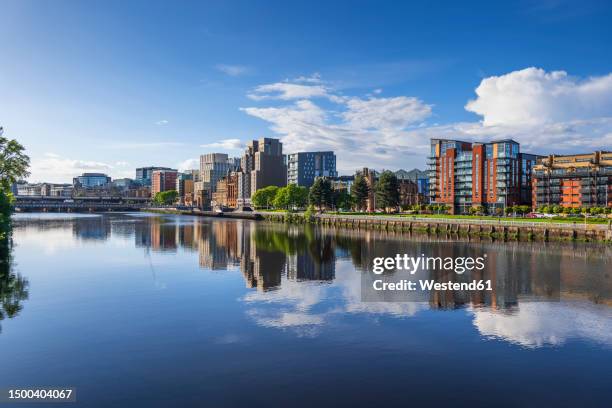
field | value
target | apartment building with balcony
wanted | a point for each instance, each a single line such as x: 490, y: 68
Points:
x: 580, y: 180
x: 494, y: 175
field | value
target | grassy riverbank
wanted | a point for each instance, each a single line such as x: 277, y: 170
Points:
x: 562, y: 220
x: 554, y: 220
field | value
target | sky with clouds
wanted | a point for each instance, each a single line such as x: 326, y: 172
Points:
x: 111, y: 86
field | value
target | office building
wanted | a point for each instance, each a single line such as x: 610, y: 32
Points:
x: 163, y: 180
x: 143, y: 174
x: 304, y: 167
x: 581, y: 180
x: 91, y: 180
x: 43, y: 190
x: 184, y: 187
x: 262, y: 165
x: 493, y: 175
x: 215, y: 166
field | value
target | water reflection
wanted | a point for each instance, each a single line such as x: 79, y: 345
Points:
x: 306, y: 277
x: 13, y: 287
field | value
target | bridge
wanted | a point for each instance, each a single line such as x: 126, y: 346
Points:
x: 79, y: 204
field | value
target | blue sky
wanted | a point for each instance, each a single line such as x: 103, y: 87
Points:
x: 110, y: 86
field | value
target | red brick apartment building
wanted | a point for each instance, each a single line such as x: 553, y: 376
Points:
x: 581, y: 180
x: 494, y: 175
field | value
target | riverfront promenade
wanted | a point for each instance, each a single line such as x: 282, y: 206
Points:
x: 495, y: 227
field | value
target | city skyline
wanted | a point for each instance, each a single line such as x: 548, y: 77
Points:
x: 149, y: 84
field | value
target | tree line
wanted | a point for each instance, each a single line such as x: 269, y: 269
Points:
x: 322, y: 196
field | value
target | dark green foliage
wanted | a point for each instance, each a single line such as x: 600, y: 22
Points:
x: 387, y: 191
x: 360, y: 192
x: 321, y: 194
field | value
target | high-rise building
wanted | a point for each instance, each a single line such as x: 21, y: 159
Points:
x: 215, y: 166
x: 581, y: 180
x: 163, y: 180
x: 262, y: 165
x: 304, y: 167
x: 143, y: 174
x: 494, y: 175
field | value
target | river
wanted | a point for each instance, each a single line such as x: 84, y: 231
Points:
x: 146, y: 310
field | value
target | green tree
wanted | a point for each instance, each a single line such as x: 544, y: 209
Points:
x: 14, y: 162
x: 360, y: 191
x: 167, y: 197
x: 264, y: 197
x: 342, y: 199
x: 14, y: 165
x: 320, y: 194
x: 387, y: 191
x: 297, y: 196
x: 281, y: 199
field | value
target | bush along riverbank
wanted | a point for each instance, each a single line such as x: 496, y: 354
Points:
x: 505, y: 230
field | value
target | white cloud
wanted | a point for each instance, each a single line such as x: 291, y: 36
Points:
x: 53, y: 168
x: 188, y: 164
x: 225, y: 144
x: 288, y: 91
x: 545, y: 323
x: 533, y: 96
x: 384, y: 113
x: 161, y: 122
x: 233, y: 70
x: 538, y: 109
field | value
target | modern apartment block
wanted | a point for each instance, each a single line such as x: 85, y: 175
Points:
x: 304, y: 167
x: 143, y: 174
x: 215, y: 166
x: 494, y: 175
x: 581, y: 180
x: 262, y: 165
x: 163, y: 180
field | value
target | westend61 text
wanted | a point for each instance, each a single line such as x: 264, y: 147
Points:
x: 430, y: 284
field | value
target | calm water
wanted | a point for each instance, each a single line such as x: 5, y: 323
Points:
x: 161, y: 311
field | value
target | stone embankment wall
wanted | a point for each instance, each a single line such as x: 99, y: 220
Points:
x: 517, y: 230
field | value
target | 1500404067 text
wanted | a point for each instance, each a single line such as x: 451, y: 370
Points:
x: 50, y: 394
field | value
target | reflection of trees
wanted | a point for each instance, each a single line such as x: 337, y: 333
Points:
x: 13, y: 287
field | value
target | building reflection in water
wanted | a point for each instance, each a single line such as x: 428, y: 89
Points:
x: 296, y: 263
x: 266, y: 254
